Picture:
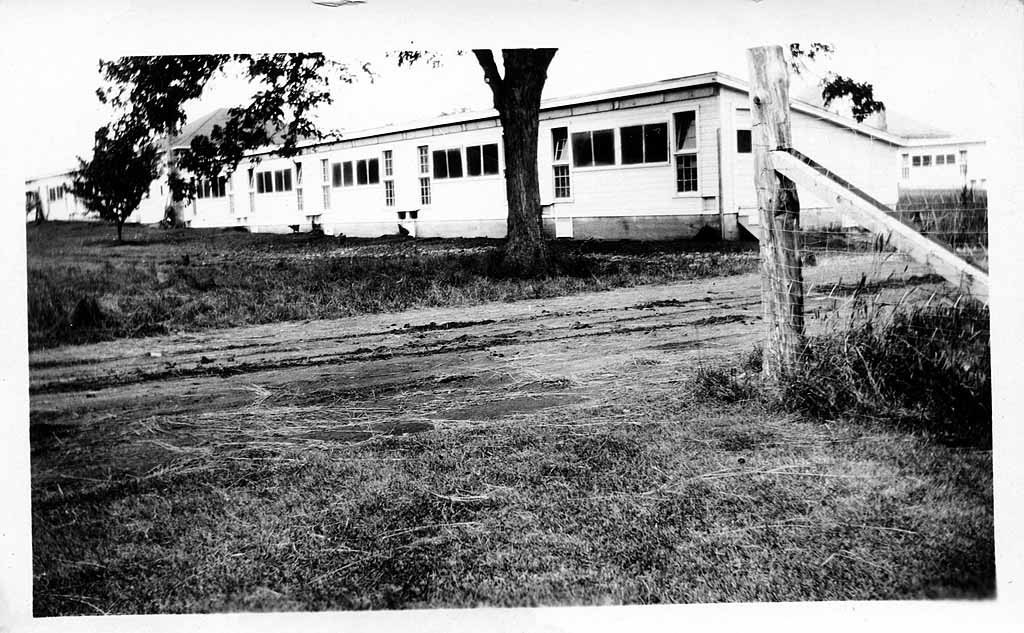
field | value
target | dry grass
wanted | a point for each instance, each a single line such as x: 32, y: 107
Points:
x: 82, y: 287
x: 637, y: 495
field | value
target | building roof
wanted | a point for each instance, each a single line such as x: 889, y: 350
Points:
x: 203, y: 126
x: 904, y: 132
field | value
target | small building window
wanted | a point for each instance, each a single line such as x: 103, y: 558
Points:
x: 389, y: 192
x: 560, y: 144
x: 686, y: 150
x: 323, y: 169
x: 271, y: 181
x: 424, y: 159
x: 950, y: 159
x: 482, y: 159
x: 905, y: 169
x: 926, y: 161
x: 388, y: 165
x: 940, y: 159
x: 562, y: 184
x: 744, y: 144
x: 447, y: 163
x: 596, y: 147
x: 686, y: 172
x: 424, y: 190
x: 298, y: 199
x: 644, y: 143
x: 917, y: 161
x: 326, y: 196
x: 298, y: 174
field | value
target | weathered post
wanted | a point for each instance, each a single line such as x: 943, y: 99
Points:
x: 782, y: 286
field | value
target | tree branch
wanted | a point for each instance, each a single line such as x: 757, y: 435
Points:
x: 491, y: 75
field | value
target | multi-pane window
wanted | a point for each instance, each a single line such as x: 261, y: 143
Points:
x: 562, y: 183
x: 963, y: 162
x: 389, y: 193
x: 482, y: 159
x: 595, y: 147
x: 950, y: 159
x: 368, y: 172
x: 298, y: 186
x: 326, y: 195
x: 686, y: 172
x: 685, y: 124
x: 424, y: 159
x: 916, y: 161
x: 323, y: 169
x: 388, y: 165
x: 940, y: 159
x: 447, y: 163
x: 361, y: 172
x: 644, y: 143
x: 211, y: 187
x: 926, y: 161
x: 424, y: 190
x: 560, y: 161
x: 744, y: 143
x: 271, y: 181
x: 906, y: 166
x: 252, y: 196
x: 298, y: 199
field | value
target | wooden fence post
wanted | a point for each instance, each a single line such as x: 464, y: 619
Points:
x: 782, y: 286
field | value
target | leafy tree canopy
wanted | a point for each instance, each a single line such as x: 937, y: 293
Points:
x: 834, y: 86
x: 124, y: 163
x: 150, y: 93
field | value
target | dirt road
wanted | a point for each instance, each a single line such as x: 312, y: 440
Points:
x: 412, y: 369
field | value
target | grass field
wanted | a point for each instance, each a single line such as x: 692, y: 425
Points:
x: 595, y: 448
x: 83, y: 287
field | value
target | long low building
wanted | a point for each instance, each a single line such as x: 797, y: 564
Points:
x: 662, y: 160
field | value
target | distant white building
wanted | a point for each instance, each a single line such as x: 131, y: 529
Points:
x: 654, y: 161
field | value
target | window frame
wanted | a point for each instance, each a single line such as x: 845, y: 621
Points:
x: 678, y: 153
x: 482, y: 161
x: 669, y: 129
x: 573, y: 155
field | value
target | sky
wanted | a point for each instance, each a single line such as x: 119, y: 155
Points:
x: 940, y: 62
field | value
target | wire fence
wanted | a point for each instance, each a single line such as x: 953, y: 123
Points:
x: 887, y: 333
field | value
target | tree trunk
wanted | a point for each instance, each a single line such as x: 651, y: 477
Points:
x: 120, y: 230
x: 517, y: 99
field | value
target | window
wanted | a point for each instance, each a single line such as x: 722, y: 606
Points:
x: 593, y: 148
x: 368, y: 172
x: 685, y: 123
x: 940, y: 159
x: 905, y: 172
x: 388, y: 166
x: 389, y: 192
x: 560, y: 158
x: 559, y: 144
x: 271, y: 181
x: 298, y: 174
x: 917, y: 161
x: 211, y: 188
x: 926, y: 161
x: 562, y: 183
x: 950, y: 159
x: 744, y: 144
x: 326, y: 196
x: 447, y: 163
x: 424, y: 190
x: 644, y: 143
x: 482, y: 159
x: 963, y: 162
x: 686, y: 172
x: 323, y: 169
x: 347, y: 178
x: 424, y: 159
x: 298, y: 199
